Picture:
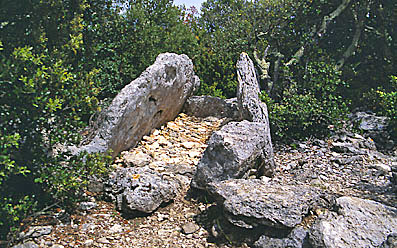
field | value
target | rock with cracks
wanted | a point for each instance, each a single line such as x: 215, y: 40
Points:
x: 357, y: 223
x: 234, y: 151
x: 296, y: 239
x: 204, y: 106
x: 250, y: 106
x: 149, y: 101
x: 136, y: 190
x: 251, y: 203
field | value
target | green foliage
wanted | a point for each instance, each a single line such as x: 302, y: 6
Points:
x: 308, y: 109
x: 45, y: 99
x: 125, y: 45
x: 66, y: 176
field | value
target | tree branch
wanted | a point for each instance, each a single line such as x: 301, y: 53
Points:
x: 320, y: 32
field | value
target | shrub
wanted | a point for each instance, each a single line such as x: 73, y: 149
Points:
x: 309, y: 105
x: 383, y: 101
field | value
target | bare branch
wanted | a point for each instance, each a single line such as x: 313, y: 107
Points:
x: 320, y: 32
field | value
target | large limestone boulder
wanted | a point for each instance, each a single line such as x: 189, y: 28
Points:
x: 233, y: 151
x: 155, y: 97
x: 357, y: 223
x: 137, y: 190
x: 251, y: 203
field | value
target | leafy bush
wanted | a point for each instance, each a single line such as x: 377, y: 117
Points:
x: 44, y: 101
x: 383, y: 101
x: 309, y: 105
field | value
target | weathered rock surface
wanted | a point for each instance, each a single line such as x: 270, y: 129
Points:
x: 390, y: 242
x: 357, y: 223
x: 249, y: 203
x: 250, y: 106
x: 29, y: 244
x: 233, y: 151
x: 35, y: 232
x: 375, y: 127
x: 204, y: 106
x: 149, y: 101
x: 139, y: 190
x: 296, y: 239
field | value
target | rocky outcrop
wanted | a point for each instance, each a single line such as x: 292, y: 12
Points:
x: 136, y: 190
x: 250, y: 203
x: 149, y: 101
x: 375, y: 127
x: 357, y: 223
x: 204, y: 106
x: 235, y: 151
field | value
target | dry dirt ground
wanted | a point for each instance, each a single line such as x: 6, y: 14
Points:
x: 176, y: 149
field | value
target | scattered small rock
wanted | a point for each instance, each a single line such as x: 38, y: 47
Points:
x: 190, y: 227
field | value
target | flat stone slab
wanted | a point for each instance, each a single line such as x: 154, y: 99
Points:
x: 357, y: 223
x: 250, y: 203
x: 155, y: 97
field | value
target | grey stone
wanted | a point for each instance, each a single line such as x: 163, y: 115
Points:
x: 233, y: 151
x: 149, y: 101
x: 390, y: 242
x: 139, y: 159
x: 250, y: 106
x: 103, y: 240
x: 87, y: 205
x: 345, y: 147
x: 29, y: 244
x: 294, y: 240
x: 204, y: 106
x: 357, y: 223
x: 251, y: 203
x: 95, y: 185
x: 139, y: 189
x: 375, y: 127
x: 370, y: 122
x: 35, y: 232
x: 190, y: 227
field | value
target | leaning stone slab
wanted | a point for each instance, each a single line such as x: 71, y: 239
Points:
x: 357, y: 223
x: 136, y: 190
x: 233, y: 151
x: 250, y: 106
x: 149, y: 101
x: 251, y: 203
x: 204, y: 106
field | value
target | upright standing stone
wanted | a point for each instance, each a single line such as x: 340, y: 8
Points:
x: 251, y: 108
x: 149, y: 101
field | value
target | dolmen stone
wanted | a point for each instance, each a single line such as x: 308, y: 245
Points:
x: 240, y: 149
x: 357, y: 223
x: 137, y: 190
x: 232, y: 152
x: 251, y: 108
x: 253, y: 202
x: 155, y: 97
x: 205, y: 106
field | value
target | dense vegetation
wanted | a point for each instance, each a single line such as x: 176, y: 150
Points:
x: 62, y: 60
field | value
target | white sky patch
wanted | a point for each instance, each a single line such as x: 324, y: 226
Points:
x: 188, y: 3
